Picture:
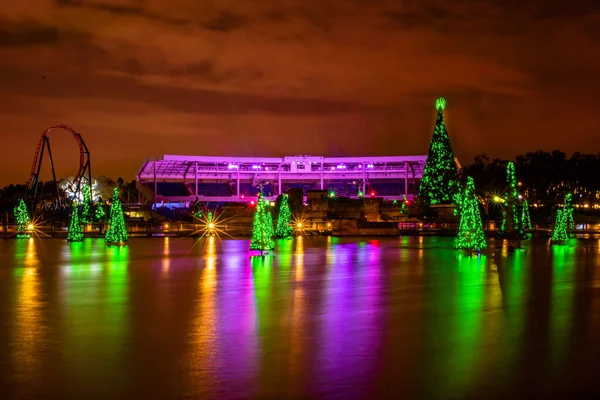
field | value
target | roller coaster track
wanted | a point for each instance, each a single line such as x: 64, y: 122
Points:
x: 84, y: 173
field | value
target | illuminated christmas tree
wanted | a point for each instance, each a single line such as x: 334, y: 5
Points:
x: 75, y: 232
x: 512, y: 223
x: 23, y: 222
x: 403, y: 208
x: 569, y: 211
x: 262, y: 233
x: 559, y: 232
x: 470, y: 231
x: 283, y: 221
x: 439, y: 184
x: 86, y: 207
x: 117, y: 232
x: 100, y: 214
x: 525, y: 217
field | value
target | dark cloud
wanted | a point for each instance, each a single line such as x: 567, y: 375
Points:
x: 225, y: 21
x: 28, y: 33
x: 116, y: 8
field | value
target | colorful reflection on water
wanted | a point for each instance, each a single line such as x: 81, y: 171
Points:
x: 322, y: 317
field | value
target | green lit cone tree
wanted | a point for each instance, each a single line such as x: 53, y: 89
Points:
x: 284, y: 229
x: 86, y: 207
x: 262, y: 232
x: 75, y: 231
x: 470, y: 231
x: 403, y: 208
x: 22, y: 216
x: 526, y: 217
x: 439, y: 184
x: 559, y: 231
x: 512, y: 224
x: 100, y: 214
x: 569, y: 211
x: 117, y: 231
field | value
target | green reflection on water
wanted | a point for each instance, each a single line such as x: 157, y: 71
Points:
x: 455, y: 329
x: 95, y: 300
x: 563, y: 298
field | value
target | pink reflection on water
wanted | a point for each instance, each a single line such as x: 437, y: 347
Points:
x: 350, y: 330
x: 223, y: 341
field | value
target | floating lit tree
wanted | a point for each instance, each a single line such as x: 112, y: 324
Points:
x: 559, y: 231
x: 439, y: 184
x: 75, y: 232
x: 284, y: 229
x: 24, y: 226
x: 470, y: 232
x: 262, y: 233
x: 116, y: 235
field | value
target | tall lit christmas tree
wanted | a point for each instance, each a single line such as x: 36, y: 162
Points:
x: 283, y: 221
x: 403, y: 208
x: 512, y: 223
x: 559, y: 231
x: 440, y: 176
x: 117, y: 232
x: 470, y: 231
x: 22, y: 217
x: 262, y: 233
x: 75, y: 232
x: 86, y: 207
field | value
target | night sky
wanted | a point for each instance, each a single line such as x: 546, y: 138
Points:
x: 139, y: 78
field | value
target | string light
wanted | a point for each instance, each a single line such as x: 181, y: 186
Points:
x: 439, y: 184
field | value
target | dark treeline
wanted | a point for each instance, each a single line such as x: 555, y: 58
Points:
x: 544, y: 176
x: 10, y: 194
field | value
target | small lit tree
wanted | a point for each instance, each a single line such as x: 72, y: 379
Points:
x: 86, y: 207
x: 559, y: 231
x: 100, y: 214
x: 439, y: 184
x: 262, y: 233
x: 75, y: 232
x: 117, y: 231
x: 512, y: 225
x: 403, y: 208
x: 569, y: 211
x: 470, y: 232
x: 284, y: 228
x: 22, y: 217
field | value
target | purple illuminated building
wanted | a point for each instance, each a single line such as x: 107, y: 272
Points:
x: 174, y: 179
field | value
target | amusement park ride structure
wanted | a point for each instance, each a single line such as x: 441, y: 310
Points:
x: 84, y: 173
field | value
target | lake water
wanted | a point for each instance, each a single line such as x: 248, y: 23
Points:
x: 329, y: 318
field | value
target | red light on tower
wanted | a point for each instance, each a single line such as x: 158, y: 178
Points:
x: 372, y: 193
x: 242, y: 196
x: 251, y: 202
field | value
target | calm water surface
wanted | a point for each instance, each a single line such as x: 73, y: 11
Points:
x: 323, y: 318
